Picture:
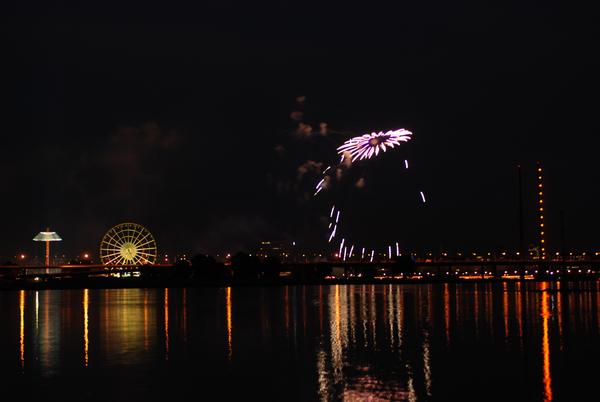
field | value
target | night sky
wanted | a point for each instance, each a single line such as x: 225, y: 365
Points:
x: 176, y: 116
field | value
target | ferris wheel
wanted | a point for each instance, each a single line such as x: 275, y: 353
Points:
x: 128, y: 244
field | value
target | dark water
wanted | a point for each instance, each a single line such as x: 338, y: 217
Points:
x: 365, y: 342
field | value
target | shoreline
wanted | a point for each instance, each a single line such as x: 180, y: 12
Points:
x: 132, y: 283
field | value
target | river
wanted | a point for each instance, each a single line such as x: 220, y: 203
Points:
x: 421, y: 342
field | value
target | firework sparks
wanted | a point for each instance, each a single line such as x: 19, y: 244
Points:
x: 361, y: 148
x: 332, y: 234
x: 367, y: 145
x: 319, y: 187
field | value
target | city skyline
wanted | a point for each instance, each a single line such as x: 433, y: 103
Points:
x: 531, y: 228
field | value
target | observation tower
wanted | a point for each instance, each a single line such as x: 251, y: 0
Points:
x: 47, y: 237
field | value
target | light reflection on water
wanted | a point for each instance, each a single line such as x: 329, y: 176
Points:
x: 341, y: 342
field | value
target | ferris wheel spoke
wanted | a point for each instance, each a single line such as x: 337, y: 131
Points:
x: 144, y: 244
x: 122, y: 236
x: 146, y: 248
x: 113, y: 250
x: 122, y: 261
x: 107, y: 244
x: 139, y: 235
x: 139, y: 241
x: 116, y: 237
x: 134, y: 235
x: 108, y: 253
x: 111, y: 254
x: 116, y: 242
x: 148, y: 254
x: 109, y: 247
x: 112, y: 260
x: 129, y: 233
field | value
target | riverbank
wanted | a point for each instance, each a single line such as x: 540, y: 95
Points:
x: 113, y: 283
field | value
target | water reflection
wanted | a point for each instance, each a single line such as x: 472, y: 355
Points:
x: 86, y: 340
x: 546, y: 314
x: 354, y: 342
x: 22, y: 328
x: 166, y: 325
x: 229, y: 324
x: 351, y: 376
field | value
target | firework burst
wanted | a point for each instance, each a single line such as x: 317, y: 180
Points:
x: 358, y: 148
x: 367, y: 145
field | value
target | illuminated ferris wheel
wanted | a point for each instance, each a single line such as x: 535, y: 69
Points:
x: 128, y: 244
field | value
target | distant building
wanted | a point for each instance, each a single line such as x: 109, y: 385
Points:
x: 284, y: 250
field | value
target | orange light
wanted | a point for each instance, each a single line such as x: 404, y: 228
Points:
x: 22, y: 256
x: 542, y: 241
x: 542, y: 233
x: 541, y: 193
x: 541, y: 209
x: 541, y: 225
x: 541, y: 201
x: 541, y: 216
x: 539, y: 177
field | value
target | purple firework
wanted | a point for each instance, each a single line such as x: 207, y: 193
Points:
x: 367, y: 145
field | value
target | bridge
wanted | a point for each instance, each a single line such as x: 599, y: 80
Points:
x: 302, y: 272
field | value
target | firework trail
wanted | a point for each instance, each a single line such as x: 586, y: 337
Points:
x: 367, y: 145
